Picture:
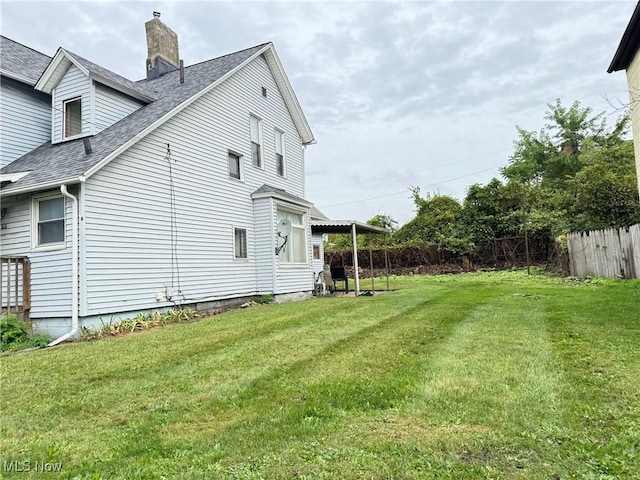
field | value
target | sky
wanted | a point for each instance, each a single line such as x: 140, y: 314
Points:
x: 398, y: 94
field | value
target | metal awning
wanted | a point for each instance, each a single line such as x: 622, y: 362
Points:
x: 348, y: 226
x: 344, y: 226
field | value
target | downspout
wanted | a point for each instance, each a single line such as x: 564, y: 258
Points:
x: 74, y: 271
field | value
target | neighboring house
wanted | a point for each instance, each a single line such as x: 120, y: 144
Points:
x: 130, y: 196
x: 627, y: 58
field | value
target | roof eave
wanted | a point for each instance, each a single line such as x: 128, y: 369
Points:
x: 38, y: 187
x: 289, y: 95
x: 285, y: 198
x: 345, y: 226
x: 628, y: 47
x: 121, y: 88
x: 16, y: 76
x: 54, y: 73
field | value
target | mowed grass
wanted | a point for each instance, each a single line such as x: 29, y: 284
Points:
x: 471, y: 376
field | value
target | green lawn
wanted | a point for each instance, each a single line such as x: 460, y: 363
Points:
x: 468, y: 376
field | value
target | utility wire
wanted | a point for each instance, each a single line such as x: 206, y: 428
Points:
x: 421, y: 170
x: 175, y: 265
x: 405, y: 191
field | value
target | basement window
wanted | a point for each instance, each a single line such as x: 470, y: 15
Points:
x: 72, y: 117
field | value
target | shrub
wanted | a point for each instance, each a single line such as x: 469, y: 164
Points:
x: 15, y: 334
x: 142, y: 321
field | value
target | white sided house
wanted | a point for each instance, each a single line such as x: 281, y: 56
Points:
x: 627, y: 57
x: 120, y: 197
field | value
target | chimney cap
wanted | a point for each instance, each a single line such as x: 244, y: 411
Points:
x: 156, y: 14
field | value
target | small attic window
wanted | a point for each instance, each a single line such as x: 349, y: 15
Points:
x: 72, y: 117
x: 264, y: 92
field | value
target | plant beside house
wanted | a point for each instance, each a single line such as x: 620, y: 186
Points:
x: 16, y: 334
x: 143, y: 321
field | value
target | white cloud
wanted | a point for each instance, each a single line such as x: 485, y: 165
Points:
x: 397, y: 93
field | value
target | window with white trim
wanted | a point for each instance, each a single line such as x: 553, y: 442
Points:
x: 72, y: 117
x: 256, y: 141
x: 240, y: 243
x: 48, y: 221
x: 235, y: 165
x: 295, y: 250
x: 280, y: 162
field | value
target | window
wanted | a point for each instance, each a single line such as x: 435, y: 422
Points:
x: 280, y: 167
x: 295, y: 251
x: 240, y: 243
x: 48, y: 221
x: 235, y: 166
x: 316, y: 252
x: 256, y: 141
x: 72, y: 117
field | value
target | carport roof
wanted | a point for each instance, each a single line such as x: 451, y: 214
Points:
x: 344, y: 226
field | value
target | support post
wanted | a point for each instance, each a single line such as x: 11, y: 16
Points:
x: 356, y: 274
x: 373, y: 285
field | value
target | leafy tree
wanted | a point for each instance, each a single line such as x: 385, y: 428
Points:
x: 581, y: 174
x: 438, y: 221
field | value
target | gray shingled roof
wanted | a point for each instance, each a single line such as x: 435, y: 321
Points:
x: 110, y: 76
x: 57, y: 162
x: 20, y: 62
x: 268, y: 189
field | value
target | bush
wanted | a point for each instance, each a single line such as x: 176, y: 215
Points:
x: 143, y: 321
x: 15, y: 334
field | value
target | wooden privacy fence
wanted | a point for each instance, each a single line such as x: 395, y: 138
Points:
x: 15, y: 290
x: 612, y: 253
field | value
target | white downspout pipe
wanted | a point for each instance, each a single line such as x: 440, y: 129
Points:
x: 75, y: 328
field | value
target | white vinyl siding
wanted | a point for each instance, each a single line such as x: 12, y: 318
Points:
x: 633, y: 81
x: 112, y: 106
x: 128, y: 243
x: 264, y: 240
x: 25, y: 120
x: 50, y: 269
x: 73, y: 85
x: 318, y: 263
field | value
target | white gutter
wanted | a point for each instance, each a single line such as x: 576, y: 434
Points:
x: 74, y: 271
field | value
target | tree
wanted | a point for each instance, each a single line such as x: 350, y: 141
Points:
x: 438, y: 222
x: 580, y: 174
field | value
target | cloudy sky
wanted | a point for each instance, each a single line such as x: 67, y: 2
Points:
x: 398, y: 94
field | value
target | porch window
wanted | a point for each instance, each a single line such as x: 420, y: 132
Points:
x: 240, y: 243
x: 295, y: 251
x: 48, y: 221
x: 72, y: 117
x: 256, y: 141
x: 316, y: 252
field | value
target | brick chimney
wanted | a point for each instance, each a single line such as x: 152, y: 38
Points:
x: 162, y: 48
